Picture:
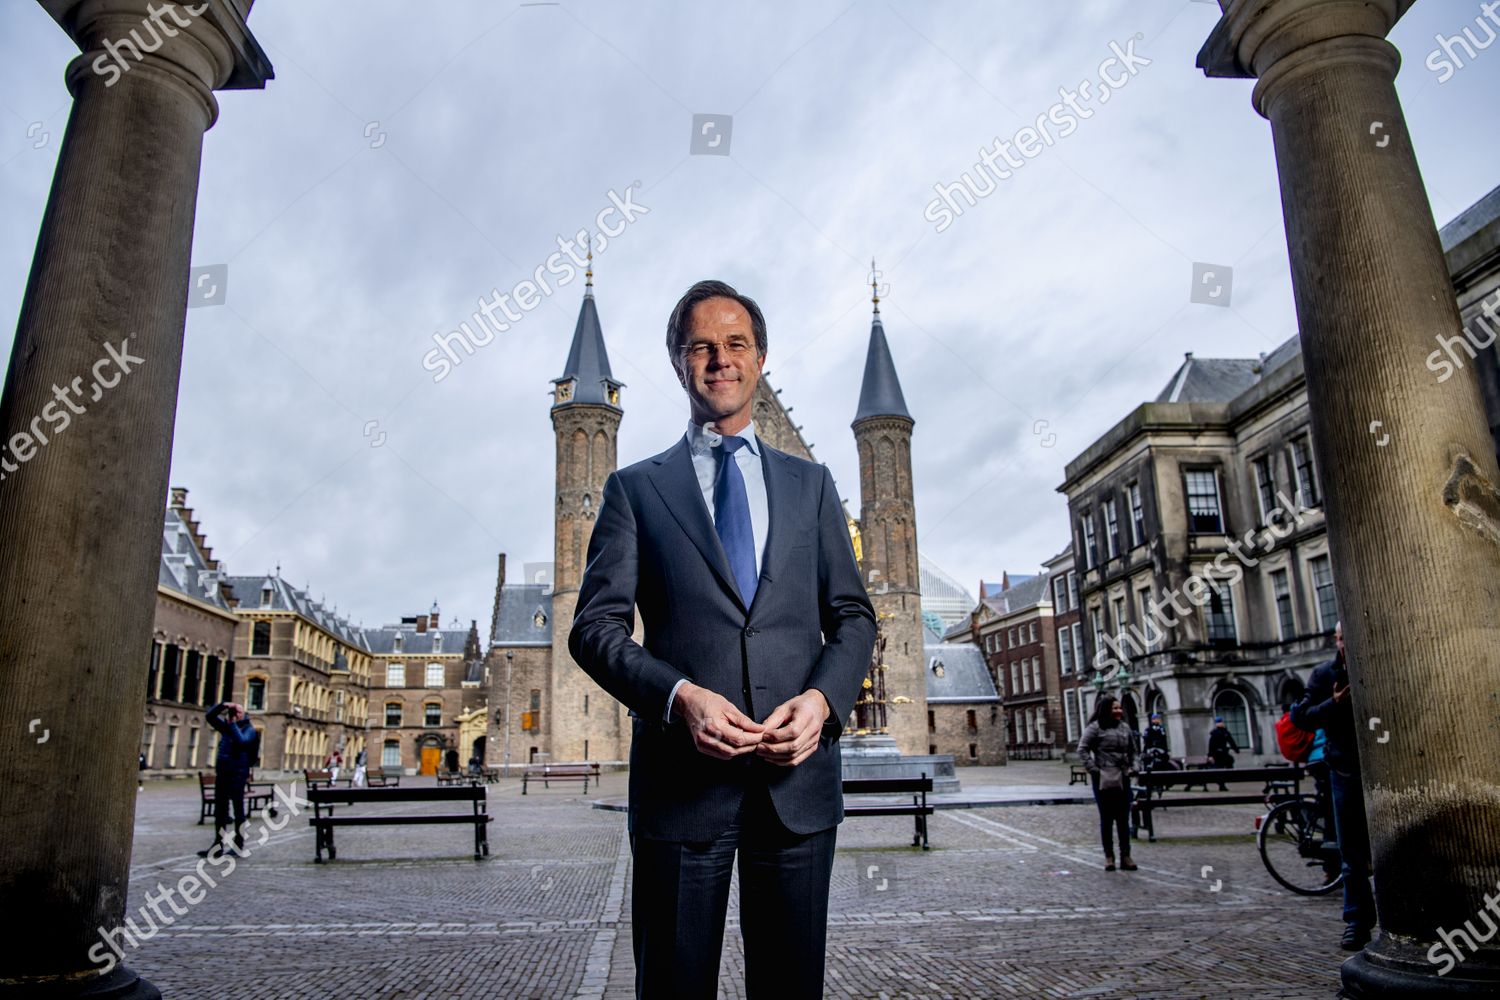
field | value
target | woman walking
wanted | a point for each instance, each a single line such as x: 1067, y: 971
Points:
x: 1107, y: 749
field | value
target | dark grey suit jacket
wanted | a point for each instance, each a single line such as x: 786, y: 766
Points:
x: 810, y: 626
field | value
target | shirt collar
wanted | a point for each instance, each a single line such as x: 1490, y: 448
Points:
x: 702, y: 438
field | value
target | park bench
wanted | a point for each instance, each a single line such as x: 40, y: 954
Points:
x: 1076, y: 771
x: 258, y: 795
x: 1152, y: 787
x: 491, y: 775
x: 917, y: 788
x: 446, y: 777
x: 324, y: 779
x: 547, y: 773
x: 383, y: 777
x: 323, y: 821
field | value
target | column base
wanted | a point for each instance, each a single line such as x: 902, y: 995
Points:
x: 1387, y: 969
x: 119, y: 984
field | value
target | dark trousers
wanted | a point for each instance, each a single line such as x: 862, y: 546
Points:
x: 1114, y: 815
x: 681, y: 895
x: 1354, y: 847
x: 229, y: 791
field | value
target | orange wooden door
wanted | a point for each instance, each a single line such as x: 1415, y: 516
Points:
x: 431, y: 756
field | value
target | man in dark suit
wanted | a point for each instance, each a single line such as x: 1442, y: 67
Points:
x: 758, y: 634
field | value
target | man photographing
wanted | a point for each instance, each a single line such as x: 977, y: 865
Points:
x: 239, y: 751
x: 758, y: 634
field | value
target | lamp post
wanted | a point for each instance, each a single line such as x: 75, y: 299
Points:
x: 510, y: 656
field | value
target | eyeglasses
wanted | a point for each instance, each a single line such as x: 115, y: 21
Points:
x: 702, y: 350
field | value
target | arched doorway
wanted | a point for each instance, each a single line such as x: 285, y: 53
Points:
x: 429, y: 754
x: 479, y: 746
x: 1291, y: 691
x: 450, y: 759
x: 1234, y: 709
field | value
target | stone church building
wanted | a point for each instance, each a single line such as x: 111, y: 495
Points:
x: 541, y: 705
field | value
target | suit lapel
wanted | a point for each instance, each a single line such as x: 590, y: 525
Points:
x: 782, y: 488
x: 676, y: 481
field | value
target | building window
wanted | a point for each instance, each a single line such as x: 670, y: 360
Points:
x: 1328, y: 601
x: 393, y: 715
x: 1033, y: 631
x: 971, y: 717
x: 171, y: 672
x: 255, y: 694
x: 432, y: 714
x: 1204, y: 517
x: 1265, y: 487
x: 395, y: 675
x: 265, y: 597
x: 973, y: 751
x: 1036, y: 673
x: 1281, y: 589
x: 171, y: 746
x: 1111, y: 529
x: 154, y: 674
x: 1220, y: 611
x: 1150, y: 629
x: 260, y: 641
x: 396, y: 643
x: 1072, y: 589
x: 390, y: 754
x: 1060, y: 594
x: 1096, y: 620
x: 434, y: 675
x: 1307, y: 475
x: 931, y: 721
x: 1078, y: 663
x: 1015, y: 679
x: 1011, y: 639
x: 193, y: 746
x: 1118, y: 606
x: 1070, y: 719
x: 1090, y: 545
x: 1064, y: 651
x: 148, y: 745
x: 1231, y: 706
x: 1137, y: 515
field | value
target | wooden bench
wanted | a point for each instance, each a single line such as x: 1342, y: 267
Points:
x: 547, y: 773
x: 491, y: 775
x: 258, y: 795
x: 324, y: 799
x: 446, y: 777
x: 383, y: 777
x: 324, y: 779
x: 1276, y: 783
x: 917, y: 788
x: 1076, y: 771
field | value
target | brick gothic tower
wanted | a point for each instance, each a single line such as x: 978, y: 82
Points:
x: 888, y: 538
x: 580, y: 721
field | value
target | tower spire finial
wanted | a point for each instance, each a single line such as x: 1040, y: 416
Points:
x: 588, y: 275
x: 875, y: 286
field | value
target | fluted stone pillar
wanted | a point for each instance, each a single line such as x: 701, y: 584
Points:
x: 80, y: 514
x: 1413, y: 512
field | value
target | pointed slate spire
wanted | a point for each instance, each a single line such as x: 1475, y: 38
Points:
x: 586, y: 378
x: 880, y: 395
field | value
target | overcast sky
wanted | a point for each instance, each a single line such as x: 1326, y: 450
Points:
x: 411, y: 157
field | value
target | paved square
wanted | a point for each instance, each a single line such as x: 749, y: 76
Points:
x: 1010, y: 902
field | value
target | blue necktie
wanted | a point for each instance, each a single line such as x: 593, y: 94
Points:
x: 732, y: 518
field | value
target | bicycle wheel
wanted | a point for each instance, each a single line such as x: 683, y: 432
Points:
x: 1294, y: 846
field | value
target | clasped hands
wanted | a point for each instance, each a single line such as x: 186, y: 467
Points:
x: 787, y: 737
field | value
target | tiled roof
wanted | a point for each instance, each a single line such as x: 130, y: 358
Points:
x: 880, y: 392
x: 285, y: 597
x: 183, y: 567
x: 1219, y: 380
x: 525, y: 616
x: 963, y: 677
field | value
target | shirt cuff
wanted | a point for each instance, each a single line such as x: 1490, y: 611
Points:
x: 667, y: 716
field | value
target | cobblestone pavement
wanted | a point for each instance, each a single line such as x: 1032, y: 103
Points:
x: 1010, y: 902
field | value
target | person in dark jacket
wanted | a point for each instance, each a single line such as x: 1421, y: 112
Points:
x: 1106, y: 747
x: 239, y: 751
x: 1220, y: 744
x: 1326, y: 705
x: 1156, y: 755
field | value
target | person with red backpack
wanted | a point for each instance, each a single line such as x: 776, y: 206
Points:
x: 1327, y: 706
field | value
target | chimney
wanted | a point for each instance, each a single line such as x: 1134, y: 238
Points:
x: 421, y: 624
x: 434, y: 616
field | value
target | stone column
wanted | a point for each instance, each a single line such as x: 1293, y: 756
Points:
x: 81, y: 516
x: 1412, y: 506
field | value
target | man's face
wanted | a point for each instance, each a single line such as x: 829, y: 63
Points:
x: 717, y: 363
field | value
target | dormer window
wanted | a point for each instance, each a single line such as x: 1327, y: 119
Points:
x: 397, y: 645
x: 539, y: 619
x: 437, y: 642
x: 614, y: 395
x: 937, y: 667
x: 565, y: 390
x: 265, y: 597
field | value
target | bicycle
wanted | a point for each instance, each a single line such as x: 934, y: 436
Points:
x: 1296, y: 842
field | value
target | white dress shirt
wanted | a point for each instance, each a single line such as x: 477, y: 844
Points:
x: 702, y: 440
